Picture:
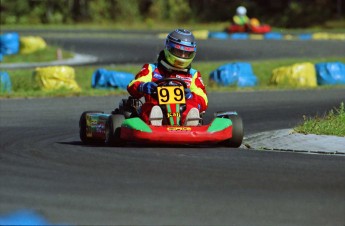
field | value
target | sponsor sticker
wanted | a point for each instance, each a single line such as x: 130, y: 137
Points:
x: 179, y: 128
x: 173, y: 114
x: 157, y: 75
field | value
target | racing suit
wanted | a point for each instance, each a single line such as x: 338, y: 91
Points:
x: 241, y: 20
x: 162, y: 69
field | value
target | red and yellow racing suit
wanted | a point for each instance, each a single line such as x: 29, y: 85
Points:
x: 155, y: 72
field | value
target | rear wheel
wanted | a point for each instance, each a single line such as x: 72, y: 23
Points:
x: 237, y: 132
x: 83, y: 128
x: 113, y: 130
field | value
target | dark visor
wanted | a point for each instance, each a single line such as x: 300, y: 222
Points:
x: 181, y: 53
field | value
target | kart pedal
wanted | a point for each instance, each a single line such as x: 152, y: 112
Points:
x: 156, y: 116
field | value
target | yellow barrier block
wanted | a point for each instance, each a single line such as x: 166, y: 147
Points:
x: 337, y: 36
x: 30, y: 44
x: 320, y: 36
x: 328, y: 36
x: 162, y: 35
x: 55, y: 77
x: 290, y: 37
x: 200, y: 34
x: 297, y: 75
x: 256, y: 36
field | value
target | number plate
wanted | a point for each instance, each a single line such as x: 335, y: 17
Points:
x: 171, y: 95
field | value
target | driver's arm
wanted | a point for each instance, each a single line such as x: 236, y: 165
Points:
x: 143, y: 76
x: 198, y: 89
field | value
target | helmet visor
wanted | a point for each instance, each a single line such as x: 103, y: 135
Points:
x: 181, y: 51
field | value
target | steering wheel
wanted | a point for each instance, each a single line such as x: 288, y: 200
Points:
x: 165, y: 81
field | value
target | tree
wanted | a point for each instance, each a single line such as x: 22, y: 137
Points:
x: 179, y: 11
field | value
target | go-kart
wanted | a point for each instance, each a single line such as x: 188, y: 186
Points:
x: 253, y: 26
x: 124, y: 124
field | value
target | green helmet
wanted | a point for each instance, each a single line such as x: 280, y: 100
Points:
x: 180, y: 48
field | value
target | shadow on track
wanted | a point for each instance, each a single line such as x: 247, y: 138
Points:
x: 146, y: 145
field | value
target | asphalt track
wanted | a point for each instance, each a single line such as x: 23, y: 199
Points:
x: 44, y: 167
x: 146, y: 50
x: 115, y: 47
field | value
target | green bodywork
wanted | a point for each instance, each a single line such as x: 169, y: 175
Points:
x: 219, y: 124
x: 137, y: 124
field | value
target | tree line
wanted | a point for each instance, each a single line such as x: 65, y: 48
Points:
x: 280, y: 13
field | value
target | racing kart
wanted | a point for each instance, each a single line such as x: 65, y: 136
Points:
x: 123, y: 125
x: 253, y: 26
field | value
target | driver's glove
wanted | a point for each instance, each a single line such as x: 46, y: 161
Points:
x: 188, y: 94
x: 148, y: 87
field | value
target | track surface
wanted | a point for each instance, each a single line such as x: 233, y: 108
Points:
x: 45, y: 167
x: 114, y: 47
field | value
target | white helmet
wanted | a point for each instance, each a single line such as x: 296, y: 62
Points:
x: 241, y: 10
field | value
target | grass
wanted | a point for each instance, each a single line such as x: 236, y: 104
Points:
x: 47, y: 54
x: 157, y: 26
x: 23, y: 84
x: 332, y: 123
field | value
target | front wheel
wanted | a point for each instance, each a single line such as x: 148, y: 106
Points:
x: 237, y: 132
x: 113, y: 130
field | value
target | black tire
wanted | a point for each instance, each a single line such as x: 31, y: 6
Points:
x: 237, y: 132
x: 113, y: 130
x: 82, y: 128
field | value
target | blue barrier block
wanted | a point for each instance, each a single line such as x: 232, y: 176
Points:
x: 239, y: 36
x: 9, y: 43
x: 23, y: 217
x: 238, y: 73
x: 5, y: 83
x: 305, y: 36
x: 330, y: 73
x: 273, y: 35
x: 103, y: 79
x: 225, y: 75
x: 218, y: 35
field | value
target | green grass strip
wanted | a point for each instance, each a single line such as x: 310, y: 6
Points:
x: 332, y: 123
x: 50, y: 53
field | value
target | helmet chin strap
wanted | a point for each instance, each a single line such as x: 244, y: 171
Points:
x: 169, y: 67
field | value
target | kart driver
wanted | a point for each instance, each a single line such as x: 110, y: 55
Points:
x: 241, y: 17
x: 173, y: 62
